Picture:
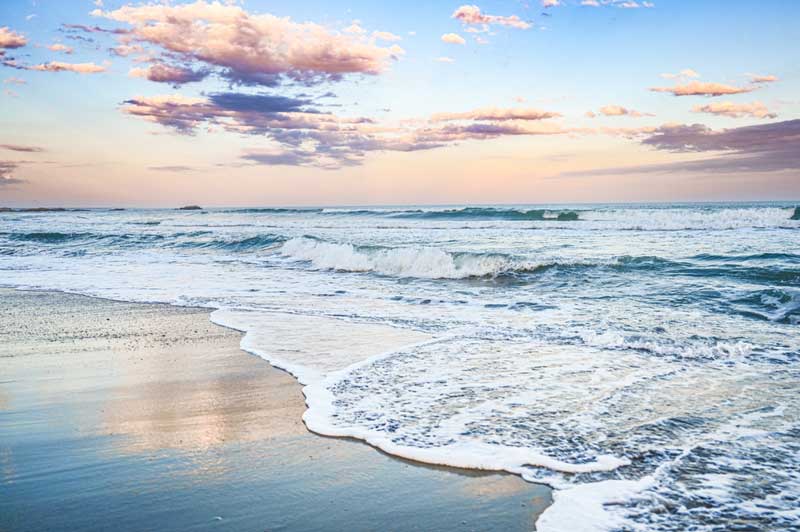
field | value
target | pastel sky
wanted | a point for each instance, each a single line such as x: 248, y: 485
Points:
x: 354, y: 102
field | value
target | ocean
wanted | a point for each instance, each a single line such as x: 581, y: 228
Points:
x: 643, y: 360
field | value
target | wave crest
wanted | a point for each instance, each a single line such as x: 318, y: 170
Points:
x: 422, y: 262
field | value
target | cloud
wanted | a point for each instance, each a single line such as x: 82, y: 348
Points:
x: 355, y: 28
x: 20, y: 148
x: 172, y: 168
x: 260, y: 103
x: 631, y: 4
x: 161, y: 73
x: 59, y: 66
x: 124, y: 50
x: 300, y: 134
x: 14, y: 81
x: 756, y: 78
x: 622, y: 4
x: 750, y: 149
x: 58, y: 47
x: 7, y: 178
x: 445, y: 59
x: 386, y: 36
x: 495, y: 114
x: 472, y: 15
x: 251, y: 49
x: 698, y: 88
x: 550, y: 3
x: 617, y: 110
x: 10, y: 39
x: 279, y: 158
x: 685, y: 73
x: 453, y: 38
x: 93, y: 29
x: 736, y: 110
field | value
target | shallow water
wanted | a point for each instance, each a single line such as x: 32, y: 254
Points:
x: 645, y: 356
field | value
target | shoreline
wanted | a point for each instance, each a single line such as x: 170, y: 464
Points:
x: 500, y: 497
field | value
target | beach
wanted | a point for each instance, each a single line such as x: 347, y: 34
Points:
x: 131, y: 416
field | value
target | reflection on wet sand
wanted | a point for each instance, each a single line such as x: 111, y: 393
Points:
x: 142, y: 417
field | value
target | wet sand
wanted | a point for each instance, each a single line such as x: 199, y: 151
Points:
x: 149, y: 417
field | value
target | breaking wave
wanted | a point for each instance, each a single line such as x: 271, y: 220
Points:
x: 421, y: 262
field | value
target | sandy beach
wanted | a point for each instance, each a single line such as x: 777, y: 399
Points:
x: 149, y: 417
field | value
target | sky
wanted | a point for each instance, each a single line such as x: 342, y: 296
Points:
x: 256, y: 102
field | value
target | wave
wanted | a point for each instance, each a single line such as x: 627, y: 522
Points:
x: 789, y: 257
x: 464, y: 213
x: 437, y: 263
x: 55, y: 238
x: 490, y: 213
x: 244, y: 244
x: 275, y: 210
x: 185, y: 240
x: 47, y: 237
x: 773, y: 304
x: 419, y: 262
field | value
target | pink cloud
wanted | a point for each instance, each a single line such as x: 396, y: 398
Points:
x: 124, y: 50
x: 736, y: 110
x: 618, y: 110
x: 453, y: 38
x: 58, y: 47
x: 58, y: 66
x: 698, y: 88
x: 307, y: 137
x: 11, y: 39
x: 755, y: 78
x: 471, y: 14
x: 255, y: 49
x: 386, y: 36
x: 496, y: 114
x: 685, y: 73
x: 7, y: 169
x: 162, y: 73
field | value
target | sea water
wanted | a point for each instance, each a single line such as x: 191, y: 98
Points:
x: 644, y: 360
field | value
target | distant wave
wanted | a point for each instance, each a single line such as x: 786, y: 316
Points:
x: 186, y: 240
x: 490, y: 213
x: 274, y: 210
x: 47, y: 237
x: 595, y: 218
x: 465, y: 213
x: 66, y: 238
